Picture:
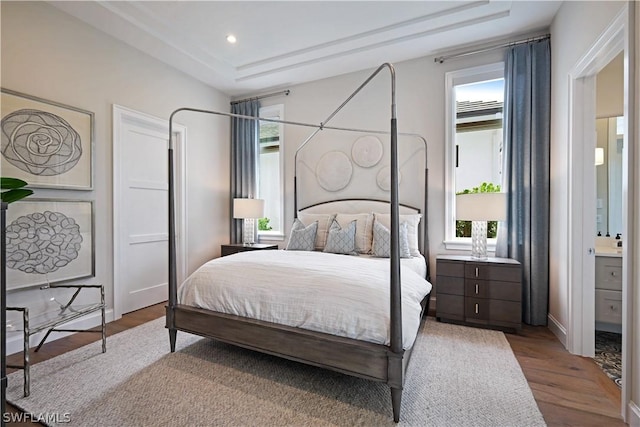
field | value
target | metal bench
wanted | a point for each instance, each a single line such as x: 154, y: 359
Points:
x: 50, y: 320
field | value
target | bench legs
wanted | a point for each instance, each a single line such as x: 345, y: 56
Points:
x: 26, y: 364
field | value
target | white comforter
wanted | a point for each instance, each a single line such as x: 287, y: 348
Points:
x: 336, y: 294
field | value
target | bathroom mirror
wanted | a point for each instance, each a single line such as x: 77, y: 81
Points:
x: 610, y: 132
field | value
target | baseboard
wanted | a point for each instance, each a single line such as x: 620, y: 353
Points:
x: 633, y: 414
x: 15, y: 343
x: 609, y: 327
x: 558, y: 330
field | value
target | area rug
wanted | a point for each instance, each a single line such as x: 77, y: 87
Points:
x: 458, y: 376
x: 608, y: 355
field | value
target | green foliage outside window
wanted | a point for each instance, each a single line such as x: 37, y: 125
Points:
x: 463, y: 228
x: 263, y: 224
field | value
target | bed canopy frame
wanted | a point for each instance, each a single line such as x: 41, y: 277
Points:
x: 367, y: 360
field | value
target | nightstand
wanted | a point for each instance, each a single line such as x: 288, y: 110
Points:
x: 234, y: 248
x: 479, y: 292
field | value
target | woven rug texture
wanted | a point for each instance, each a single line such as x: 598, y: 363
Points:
x: 458, y: 376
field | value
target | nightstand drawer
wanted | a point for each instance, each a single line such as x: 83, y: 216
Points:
x: 449, y: 285
x: 505, y: 273
x: 454, y: 269
x: 476, y: 270
x: 505, y: 311
x: 509, y: 291
x: 485, y: 271
x: 476, y: 288
x: 476, y: 309
x: 450, y: 306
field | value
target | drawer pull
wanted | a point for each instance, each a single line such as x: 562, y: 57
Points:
x: 477, y: 308
x: 476, y: 271
x: 476, y: 289
x: 613, y: 273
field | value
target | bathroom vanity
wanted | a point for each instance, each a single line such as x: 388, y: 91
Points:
x: 608, y: 289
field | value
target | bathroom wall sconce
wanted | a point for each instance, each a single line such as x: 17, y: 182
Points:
x: 599, y: 156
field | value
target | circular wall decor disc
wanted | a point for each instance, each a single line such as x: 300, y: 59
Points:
x: 334, y: 171
x: 367, y: 151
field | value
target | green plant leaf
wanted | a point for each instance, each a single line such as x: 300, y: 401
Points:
x: 15, y: 195
x: 11, y: 183
x: 263, y: 224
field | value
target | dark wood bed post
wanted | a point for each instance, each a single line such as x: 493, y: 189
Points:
x: 173, y: 274
x: 396, y: 376
x: 425, y: 213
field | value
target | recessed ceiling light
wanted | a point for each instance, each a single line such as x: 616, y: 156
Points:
x: 231, y: 38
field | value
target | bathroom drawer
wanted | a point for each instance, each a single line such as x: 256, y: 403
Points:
x: 608, y: 306
x: 609, y: 273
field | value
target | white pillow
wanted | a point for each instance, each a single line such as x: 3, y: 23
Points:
x: 364, y: 229
x: 302, y: 238
x: 341, y: 240
x: 412, y: 220
x: 382, y: 241
x: 324, y: 222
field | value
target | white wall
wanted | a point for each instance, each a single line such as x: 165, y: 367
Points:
x: 571, y: 39
x: 51, y: 55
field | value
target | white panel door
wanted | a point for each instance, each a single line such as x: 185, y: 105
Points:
x: 140, y: 211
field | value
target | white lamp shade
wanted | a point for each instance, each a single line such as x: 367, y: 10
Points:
x: 248, y: 208
x: 481, y: 207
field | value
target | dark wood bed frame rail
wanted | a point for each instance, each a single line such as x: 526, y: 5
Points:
x: 353, y: 357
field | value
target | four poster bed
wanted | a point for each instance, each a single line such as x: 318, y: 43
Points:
x: 350, y: 314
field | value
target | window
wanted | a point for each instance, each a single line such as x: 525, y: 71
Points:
x: 474, y: 143
x: 270, y: 177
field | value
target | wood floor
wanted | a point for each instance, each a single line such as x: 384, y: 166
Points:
x: 570, y: 390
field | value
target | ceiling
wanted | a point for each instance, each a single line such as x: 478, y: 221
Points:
x: 289, y: 42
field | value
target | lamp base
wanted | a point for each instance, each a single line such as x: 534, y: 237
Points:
x: 479, y: 239
x: 248, y: 232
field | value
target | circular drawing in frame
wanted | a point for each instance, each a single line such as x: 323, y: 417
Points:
x: 42, y: 242
x: 40, y: 143
x: 367, y: 151
x: 334, y: 171
x: 383, y: 178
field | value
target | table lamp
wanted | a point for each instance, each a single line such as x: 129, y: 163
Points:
x: 248, y: 210
x: 480, y: 208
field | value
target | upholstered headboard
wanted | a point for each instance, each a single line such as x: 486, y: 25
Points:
x: 355, y: 206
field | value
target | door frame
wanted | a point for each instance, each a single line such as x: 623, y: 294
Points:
x: 581, y: 201
x: 122, y: 115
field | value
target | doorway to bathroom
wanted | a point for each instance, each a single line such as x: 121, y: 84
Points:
x: 581, y: 334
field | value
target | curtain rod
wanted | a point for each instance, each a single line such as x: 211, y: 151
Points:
x: 282, y: 92
x: 441, y: 59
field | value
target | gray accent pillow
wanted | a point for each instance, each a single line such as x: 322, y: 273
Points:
x: 302, y: 238
x: 382, y: 241
x: 341, y: 240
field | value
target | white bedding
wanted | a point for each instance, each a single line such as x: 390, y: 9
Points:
x: 337, y: 294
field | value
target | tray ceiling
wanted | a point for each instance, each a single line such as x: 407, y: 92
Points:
x: 289, y: 42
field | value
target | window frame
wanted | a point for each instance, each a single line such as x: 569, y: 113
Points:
x: 272, y: 111
x: 452, y: 79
